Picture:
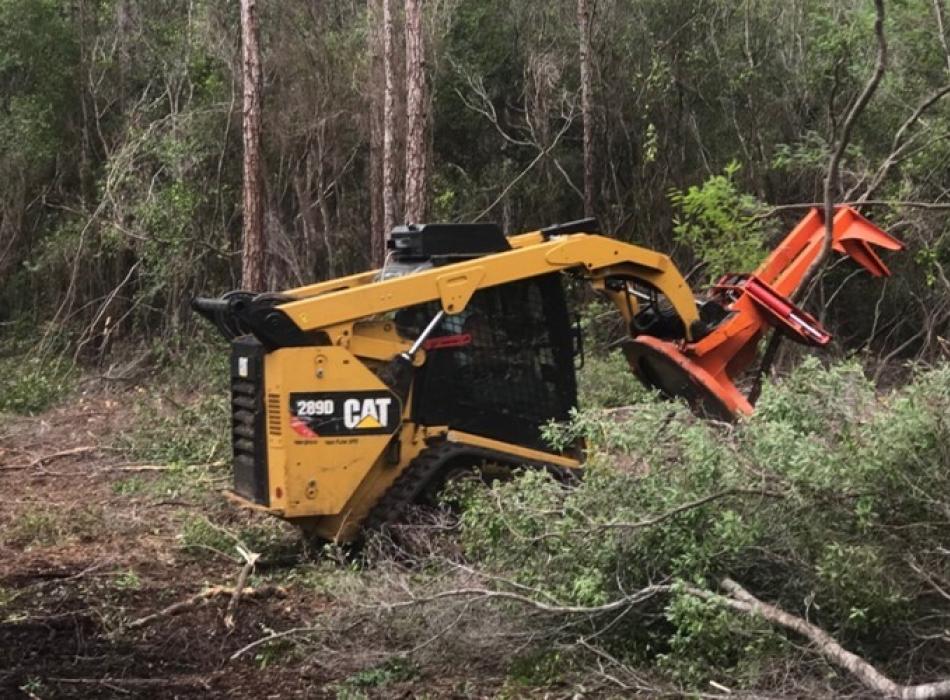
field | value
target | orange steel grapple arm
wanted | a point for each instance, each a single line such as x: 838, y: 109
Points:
x: 704, y: 371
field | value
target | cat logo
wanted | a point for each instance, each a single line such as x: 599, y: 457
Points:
x: 366, y: 414
x: 315, y: 415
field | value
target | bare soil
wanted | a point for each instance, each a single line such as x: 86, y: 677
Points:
x: 82, y: 555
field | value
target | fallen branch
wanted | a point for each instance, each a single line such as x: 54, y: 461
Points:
x: 139, y: 468
x: 274, y: 636
x: 743, y: 601
x: 739, y: 600
x: 49, y: 458
x: 203, y: 597
x: 116, y: 683
x: 160, y: 467
x: 55, y: 577
x: 488, y: 594
x: 293, y: 631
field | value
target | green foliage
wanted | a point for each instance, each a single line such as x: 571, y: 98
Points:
x: 607, y: 381
x: 198, y: 533
x: 129, y: 487
x: 721, y: 225
x: 709, y: 641
x: 538, y: 669
x: 127, y: 580
x: 30, y: 385
x: 273, y: 652
x: 805, y: 504
x: 37, y: 50
x: 35, y: 528
x: 394, y: 670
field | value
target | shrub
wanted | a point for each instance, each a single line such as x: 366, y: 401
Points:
x: 720, y: 225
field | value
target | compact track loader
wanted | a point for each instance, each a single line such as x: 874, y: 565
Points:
x: 355, y: 398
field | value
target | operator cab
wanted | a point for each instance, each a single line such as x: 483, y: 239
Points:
x: 504, y: 366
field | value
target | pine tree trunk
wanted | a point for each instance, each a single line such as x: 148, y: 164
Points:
x: 377, y: 81
x: 416, y: 115
x: 253, y: 262
x: 583, y: 23
x: 389, y: 120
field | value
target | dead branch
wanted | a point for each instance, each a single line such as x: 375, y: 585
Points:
x: 899, y: 146
x: 483, y: 594
x: 203, y: 597
x: 779, y: 208
x: 929, y: 578
x: 56, y: 578
x: 293, y: 631
x: 938, y: 10
x: 117, y: 683
x: 49, y: 458
x: 743, y: 601
x: 250, y: 559
x: 542, y: 153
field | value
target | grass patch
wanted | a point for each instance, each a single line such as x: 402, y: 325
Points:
x: 538, y: 669
x: 46, y: 528
x: 394, y: 670
x: 182, y: 415
x: 133, y: 486
x: 166, y: 430
x: 202, y: 367
x: 35, y: 528
x: 184, y: 480
x: 178, y: 480
x: 274, y: 652
x: 30, y: 385
x: 200, y: 537
x: 128, y: 580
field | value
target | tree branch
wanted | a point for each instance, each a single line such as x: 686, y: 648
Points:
x: 831, y: 186
x: 833, y: 175
x: 488, y: 594
x: 743, y: 601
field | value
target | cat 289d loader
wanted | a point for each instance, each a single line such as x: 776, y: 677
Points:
x: 355, y: 398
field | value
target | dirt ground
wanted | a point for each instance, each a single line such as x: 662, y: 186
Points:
x: 91, y: 543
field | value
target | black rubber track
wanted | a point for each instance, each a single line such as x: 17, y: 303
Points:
x: 423, y: 471
x: 409, y: 486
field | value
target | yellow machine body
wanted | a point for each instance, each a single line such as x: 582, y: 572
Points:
x: 328, y: 483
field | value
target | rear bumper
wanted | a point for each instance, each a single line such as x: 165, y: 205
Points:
x: 243, y: 502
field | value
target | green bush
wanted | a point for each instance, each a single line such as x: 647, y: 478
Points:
x: 720, y: 224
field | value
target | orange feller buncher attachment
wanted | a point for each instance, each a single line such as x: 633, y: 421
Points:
x: 704, y: 371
